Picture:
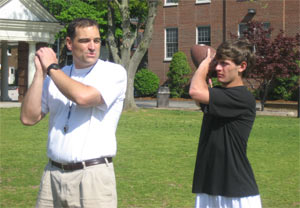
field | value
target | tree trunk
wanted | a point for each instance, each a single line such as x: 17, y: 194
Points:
x: 63, y: 53
x: 263, y: 96
x: 128, y: 60
x: 129, y: 103
x: 262, y: 103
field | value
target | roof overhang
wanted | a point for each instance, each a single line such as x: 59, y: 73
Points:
x: 16, y: 30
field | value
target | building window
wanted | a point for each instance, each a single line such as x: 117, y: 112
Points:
x: 266, y: 25
x: 171, y: 40
x: 203, y: 35
x: 171, y: 2
x: 202, y: 1
x: 9, y: 52
x: 243, y: 27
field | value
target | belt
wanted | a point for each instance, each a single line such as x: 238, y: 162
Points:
x: 81, y: 165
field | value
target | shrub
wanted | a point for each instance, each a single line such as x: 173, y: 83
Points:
x: 146, y: 83
x: 285, y: 88
x: 178, y: 75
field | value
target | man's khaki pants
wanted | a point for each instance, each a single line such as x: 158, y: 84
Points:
x: 91, y: 187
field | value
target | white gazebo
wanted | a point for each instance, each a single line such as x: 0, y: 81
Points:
x: 24, y: 21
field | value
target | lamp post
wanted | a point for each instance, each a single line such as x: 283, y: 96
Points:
x: 224, y: 20
x: 298, y: 98
x: 251, y: 11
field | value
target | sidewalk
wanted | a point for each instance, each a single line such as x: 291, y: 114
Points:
x: 183, y: 105
x: 173, y: 104
x: 190, y: 105
x: 12, y: 104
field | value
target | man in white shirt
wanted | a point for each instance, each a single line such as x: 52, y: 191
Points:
x: 85, y: 101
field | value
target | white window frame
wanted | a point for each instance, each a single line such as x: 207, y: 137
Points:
x: 197, y: 34
x: 11, y: 75
x: 203, y: 1
x: 171, y: 3
x: 169, y: 58
x: 239, y: 28
x: 9, y: 52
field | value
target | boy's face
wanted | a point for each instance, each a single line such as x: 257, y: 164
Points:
x: 230, y: 74
x: 85, y: 46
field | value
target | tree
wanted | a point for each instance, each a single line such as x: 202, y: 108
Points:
x: 275, y: 57
x: 67, y: 10
x: 136, y: 21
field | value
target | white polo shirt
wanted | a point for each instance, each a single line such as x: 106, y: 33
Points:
x: 91, y: 131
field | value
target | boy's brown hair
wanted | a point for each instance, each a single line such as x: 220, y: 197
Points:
x: 237, y: 51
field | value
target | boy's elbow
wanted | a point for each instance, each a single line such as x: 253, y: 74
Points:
x: 193, y: 93
x: 199, y: 96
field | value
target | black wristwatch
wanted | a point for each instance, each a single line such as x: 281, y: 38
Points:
x: 52, y: 66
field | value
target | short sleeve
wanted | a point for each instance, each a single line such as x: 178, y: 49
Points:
x: 45, y: 106
x: 110, y: 80
x: 230, y: 102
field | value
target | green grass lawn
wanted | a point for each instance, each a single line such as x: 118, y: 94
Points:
x: 155, y: 160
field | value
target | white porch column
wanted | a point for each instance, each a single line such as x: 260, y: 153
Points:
x: 31, y: 66
x: 4, y: 72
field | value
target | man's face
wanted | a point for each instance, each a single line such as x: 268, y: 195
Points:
x: 85, y: 46
x: 228, y: 73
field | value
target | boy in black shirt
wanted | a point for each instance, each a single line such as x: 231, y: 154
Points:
x: 223, y: 176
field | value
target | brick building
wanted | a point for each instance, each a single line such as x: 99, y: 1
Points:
x: 180, y: 25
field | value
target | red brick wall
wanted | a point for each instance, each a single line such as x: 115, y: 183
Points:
x: 23, y: 67
x: 12, y: 59
x: 292, y: 17
x: 187, y: 15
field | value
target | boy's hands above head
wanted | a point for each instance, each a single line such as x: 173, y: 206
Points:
x: 206, y: 63
x: 199, y: 86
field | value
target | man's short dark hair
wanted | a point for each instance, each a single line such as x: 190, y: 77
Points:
x: 237, y: 51
x: 80, y: 22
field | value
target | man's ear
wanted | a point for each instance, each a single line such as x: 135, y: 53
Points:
x: 69, y: 43
x: 243, y: 66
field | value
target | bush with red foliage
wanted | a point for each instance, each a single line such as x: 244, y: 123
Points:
x: 276, y: 57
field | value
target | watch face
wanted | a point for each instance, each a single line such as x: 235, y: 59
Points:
x: 55, y: 66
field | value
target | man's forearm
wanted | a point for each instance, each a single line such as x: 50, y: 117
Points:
x: 77, y: 92
x: 31, y: 109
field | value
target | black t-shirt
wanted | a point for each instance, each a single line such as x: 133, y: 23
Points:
x: 222, y: 167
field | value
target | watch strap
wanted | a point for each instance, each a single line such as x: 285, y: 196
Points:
x: 54, y: 66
